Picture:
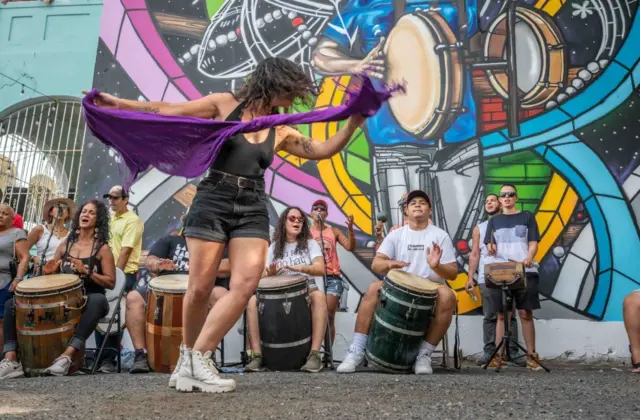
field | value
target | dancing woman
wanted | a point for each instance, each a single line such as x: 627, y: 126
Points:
x: 230, y: 206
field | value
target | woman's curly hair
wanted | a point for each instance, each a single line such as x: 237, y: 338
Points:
x: 277, y: 78
x: 102, y: 223
x: 280, y: 234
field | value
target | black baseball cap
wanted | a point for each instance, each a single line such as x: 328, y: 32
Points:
x: 118, y: 190
x: 418, y: 193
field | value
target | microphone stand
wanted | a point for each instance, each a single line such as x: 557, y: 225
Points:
x: 327, y: 335
x: 43, y: 258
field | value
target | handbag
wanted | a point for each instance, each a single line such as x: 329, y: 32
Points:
x: 13, y: 264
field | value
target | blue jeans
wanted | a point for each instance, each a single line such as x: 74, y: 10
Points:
x: 5, y: 295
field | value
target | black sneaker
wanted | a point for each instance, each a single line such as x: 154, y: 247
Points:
x: 108, y: 366
x: 140, y: 362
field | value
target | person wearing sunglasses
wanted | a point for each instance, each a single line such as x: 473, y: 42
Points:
x: 125, y: 241
x: 514, y: 236
x: 328, y: 237
x: 293, y: 252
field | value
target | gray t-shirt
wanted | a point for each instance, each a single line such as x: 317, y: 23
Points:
x: 7, y: 241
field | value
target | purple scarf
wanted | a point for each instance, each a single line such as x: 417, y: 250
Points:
x: 187, y: 146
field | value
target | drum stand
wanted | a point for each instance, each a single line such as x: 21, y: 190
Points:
x: 507, y: 303
x: 328, y: 345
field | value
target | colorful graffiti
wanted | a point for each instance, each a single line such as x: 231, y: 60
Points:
x: 575, y: 162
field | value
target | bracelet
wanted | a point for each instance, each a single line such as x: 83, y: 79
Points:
x: 18, y: 279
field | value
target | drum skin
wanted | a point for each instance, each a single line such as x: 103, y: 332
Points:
x: 399, y: 324
x: 284, y: 320
x: 164, y: 321
x: 45, y: 332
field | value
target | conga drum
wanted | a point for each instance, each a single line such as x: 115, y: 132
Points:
x: 400, y: 322
x: 284, y: 319
x: 48, y: 310
x: 164, y: 321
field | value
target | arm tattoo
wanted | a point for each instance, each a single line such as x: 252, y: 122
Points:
x: 306, y: 144
x: 148, y: 109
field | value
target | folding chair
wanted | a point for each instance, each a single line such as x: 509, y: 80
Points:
x: 115, y: 298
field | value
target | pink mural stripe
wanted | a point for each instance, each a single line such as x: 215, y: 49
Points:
x: 112, y: 14
x: 291, y: 172
x: 140, y: 66
x: 187, y: 88
x: 150, y: 37
x: 173, y: 95
x: 134, y: 4
x: 295, y: 195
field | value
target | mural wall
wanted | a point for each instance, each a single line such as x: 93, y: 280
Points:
x: 575, y: 162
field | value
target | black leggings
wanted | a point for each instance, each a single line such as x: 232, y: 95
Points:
x: 96, y: 308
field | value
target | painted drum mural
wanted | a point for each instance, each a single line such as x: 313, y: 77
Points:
x: 575, y: 162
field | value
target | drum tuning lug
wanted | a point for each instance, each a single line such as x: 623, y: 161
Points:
x: 287, y: 307
x: 440, y: 48
x: 260, y: 308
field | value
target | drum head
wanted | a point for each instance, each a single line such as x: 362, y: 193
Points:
x: 433, y: 78
x: 278, y: 282
x: 412, y: 282
x: 171, y: 283
x: 47, y: 283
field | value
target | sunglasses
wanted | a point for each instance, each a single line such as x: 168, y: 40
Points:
x: 293, y: 219
x: 319, y: 208
x: 507, y: 194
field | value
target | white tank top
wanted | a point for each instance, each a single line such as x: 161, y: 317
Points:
x: 482, y: 227
x: 53, y: 244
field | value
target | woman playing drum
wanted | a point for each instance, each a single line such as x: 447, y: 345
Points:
x: 293, y: 252
x: 85, y: 253
x: 230, y: 206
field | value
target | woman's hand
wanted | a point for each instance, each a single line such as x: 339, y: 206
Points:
x: 14, y: 284
x: 51, y: 267
x: 78, y: 266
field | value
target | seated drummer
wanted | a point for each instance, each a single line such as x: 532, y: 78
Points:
x: 85, y: 250
x: 422, y: 249
x: 293, y: 252
x: 167, y: 256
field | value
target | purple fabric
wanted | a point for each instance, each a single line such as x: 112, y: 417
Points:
x: 187, y: 146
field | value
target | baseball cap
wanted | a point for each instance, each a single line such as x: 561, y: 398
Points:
x: 320, y: 203
x: 118, y: 190
x: 418, y: 193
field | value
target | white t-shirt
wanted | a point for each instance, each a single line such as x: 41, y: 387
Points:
x: 290, y: 257
x: 410, y: 246
x: 482, y: 227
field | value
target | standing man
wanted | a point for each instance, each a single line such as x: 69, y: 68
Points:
x: 330, y: 237
x: 422, y: 249
x: 514, y: 236
x: 125, y: 241
x: 477, y: 260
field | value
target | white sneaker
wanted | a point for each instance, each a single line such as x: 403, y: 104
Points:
x: 10, y: 369
x: 351, y: 361
x: 423, y: 365
x: 199, y: 372
x: 173, y: 380
x: 60, y: 367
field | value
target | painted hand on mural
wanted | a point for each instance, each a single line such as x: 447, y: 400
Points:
x: 373, y: 64
x: 433, y: 255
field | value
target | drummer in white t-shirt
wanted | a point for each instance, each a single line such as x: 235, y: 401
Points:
x: 418, y: 248
x: 293, y: 251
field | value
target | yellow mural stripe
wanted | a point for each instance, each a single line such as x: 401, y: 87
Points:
x: 569, y: 203
x: 551, y: 7
x: 294, y: 160
x: 543, y: 218
x: 547, y: 240
x: 553, y: 195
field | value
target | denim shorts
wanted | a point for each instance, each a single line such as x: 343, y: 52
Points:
x: 227, y: 207
x: 334, y: 286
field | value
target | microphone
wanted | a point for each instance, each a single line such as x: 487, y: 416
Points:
x: 381, y: 217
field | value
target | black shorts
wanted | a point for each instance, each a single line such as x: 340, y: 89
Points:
x: 527, y: 299
x: 144, y: 290
x: 222, y: 209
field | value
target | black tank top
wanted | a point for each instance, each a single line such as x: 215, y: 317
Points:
x: 241, y: 158
x: 91, y: 263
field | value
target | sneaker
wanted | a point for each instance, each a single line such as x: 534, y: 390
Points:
x: 497, y: 361
x: 10, y: 369
x: 108, y: 366
x: 199, y: 372
x: 518, y: 358
x: 60, y: 367
x: 352, y: 360
x: 484, y: 359
x: 255, y: 362
x: 140, y: 362
x: 532, y: 362
x: 423, y: 365
x: 314, y: 362
x: 173, y: 380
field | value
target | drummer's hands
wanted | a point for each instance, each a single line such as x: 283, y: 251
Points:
x: 396, y: 265
x: 491, y: 249
x: 51, y: 267
x: 79, y: 266
x: 373, y: 64
x: 433, y: 256
x: 104, y: 100
x: 527, y: 262
x: 13, y: 285
x: 272, y: 270
x: 166, y: 265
